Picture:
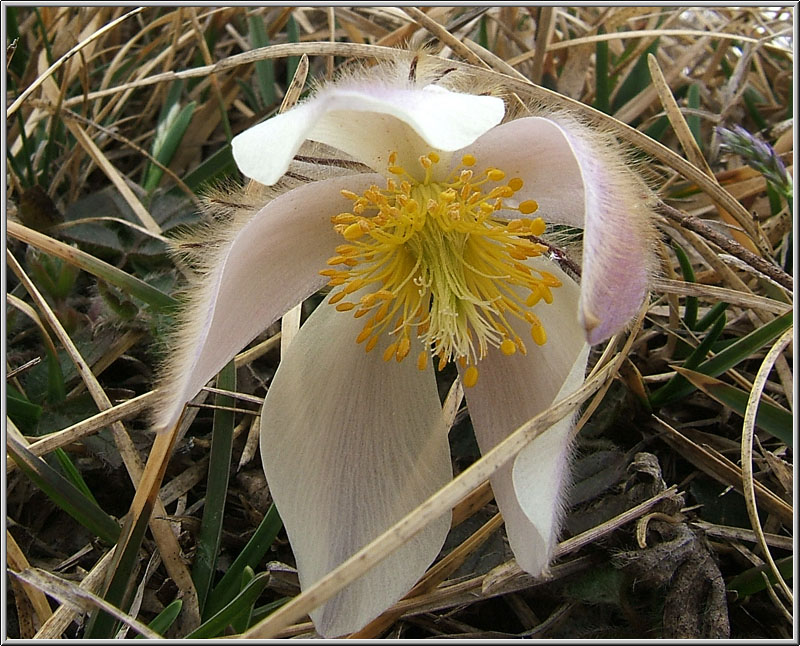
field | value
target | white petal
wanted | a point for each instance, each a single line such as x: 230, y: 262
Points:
x: 510, y: 391
x: 579, y: 178
x: 536, y: 150
x: 272, y: 264
x: 368, y: 122
x: 350, y: 444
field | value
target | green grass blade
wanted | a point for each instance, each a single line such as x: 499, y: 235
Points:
x: 242, y: 622
x: 265, y: 70
x: 250, y: 556
x: 668, y: 390
x: 751, y: 581
x: 732, y: 355
x: 73, y: 475
x: 102, y: 625
x: 217, y: 623
x: 164, y: 619
x: 169, y: 135
x: 218, y: 165
x: 293, y: 35
x: 63, y: 493
x: 217, y: 488
x: 690, y: 309
x: 775, y: 420
x: 709, y: 317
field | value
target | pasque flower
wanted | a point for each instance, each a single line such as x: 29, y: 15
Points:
x: 425, y: 217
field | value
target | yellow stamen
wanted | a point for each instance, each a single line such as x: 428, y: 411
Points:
x: 439, y: 259
x: 470, y: 376
x: 508, y: 347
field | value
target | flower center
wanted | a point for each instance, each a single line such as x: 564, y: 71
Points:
x: 441, y: 265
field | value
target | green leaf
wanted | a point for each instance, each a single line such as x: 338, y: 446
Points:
x: 125, y: 281
x: 690, y: 309
x: 668, y: 391
x: 709, y: 317
x: 241, y: 623
x: 73, y: 475
x: 218, y: 165
x: 293, y: 35
x: 169, y: 134
x: 216, y: 624
x: 164, y: 619
x: 63, y: 493
x: 729, y: 357
x: 265, y: 70
x: 219, y: 463
x: 250, y: 557
x: 775, y: 420
x: 752, y: 580
x: 693, y: 120
x: 22, y: 412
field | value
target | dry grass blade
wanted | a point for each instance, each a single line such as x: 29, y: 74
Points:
x: 748, y: 431
x: 88, y: 426
x: 17, y: 563
x: 722, y: 469
x: 57, y: 64
x: 73, y: 595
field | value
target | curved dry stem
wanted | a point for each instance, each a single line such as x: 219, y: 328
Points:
x: 748, y: 430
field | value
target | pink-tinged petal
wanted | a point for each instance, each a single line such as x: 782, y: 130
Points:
x: 368, y: 121
x: 579, y: 178
x: 270, y: 265
x: 512, y: 390
x: 350, y: 444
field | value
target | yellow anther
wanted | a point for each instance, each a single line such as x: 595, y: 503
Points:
x: 353, y: 231
x: 468, y: 160
x: 495, y: 174
x: 346, y: 306
x: 354, y: 286
x: 549, y: 279
x: 528, y: 206
x: 389, y: 352
x: 538, y: 226
x: 515, y: 225
x: 397, y: 170
x: 336, y: 281
x: 434, y: 157
x: 346, y: 250
x: 547, y: 295
x: 359, y: 313
x: 393, y: 157
x: 336, y: 260
x: 403, y: 348
x: 425, y: 162
x: 508, y: 347
x: 534, y: 297
x: 465, y: 176
x: 515, y: 184
x: 470, y: 377
x: 335, y: 298
x: 383, y: 311
x: 348, y: 194
x: 422, y: 360
x: 442, y: 363
x: 328, y: 272
x: 538, y: 333
x: 371, y: 343
x: 364, y: 334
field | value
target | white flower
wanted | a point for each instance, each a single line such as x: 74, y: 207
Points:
x: 432, y: 252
